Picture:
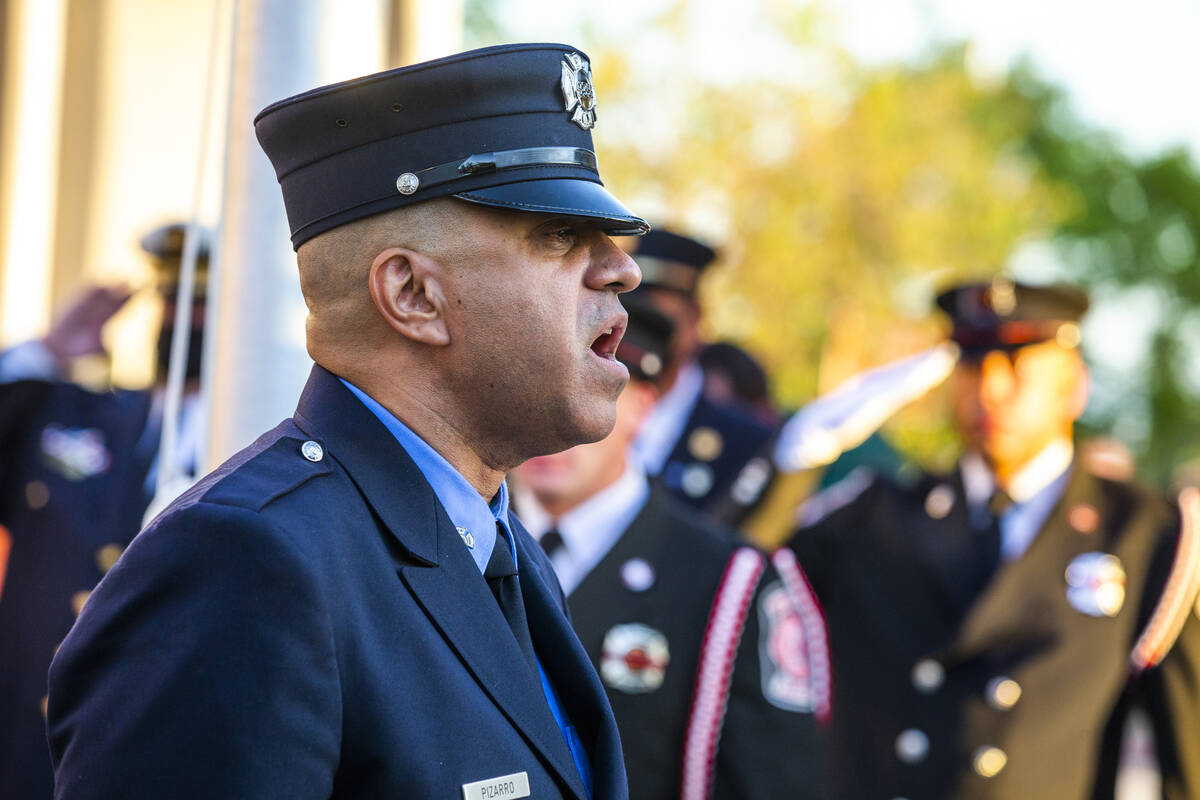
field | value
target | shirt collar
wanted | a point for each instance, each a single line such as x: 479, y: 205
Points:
x: 590, y: 529
x: 1042, y: 471
x: 666, y: 421
x: 473, y: 517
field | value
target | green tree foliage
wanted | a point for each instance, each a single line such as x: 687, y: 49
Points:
x: 1130, y: 233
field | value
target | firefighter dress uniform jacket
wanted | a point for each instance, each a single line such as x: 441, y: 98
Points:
x: 944, y: 688
x: 307, y: 623
x: 714, y: 659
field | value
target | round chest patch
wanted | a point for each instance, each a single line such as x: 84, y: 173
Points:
x: 75, y: 453
x: 1096, y: 584
x: 634, y: 658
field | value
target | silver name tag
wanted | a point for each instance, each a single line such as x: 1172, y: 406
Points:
x: 506, y: 787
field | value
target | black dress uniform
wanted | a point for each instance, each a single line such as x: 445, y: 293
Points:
x: 944, y: 688
x: 717, y: 670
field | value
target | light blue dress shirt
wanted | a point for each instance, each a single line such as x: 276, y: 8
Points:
x: 1020, y: 523
x: 470, y: 513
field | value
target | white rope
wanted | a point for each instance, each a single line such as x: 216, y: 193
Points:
x: 213, y: 307
x: 170, y: 481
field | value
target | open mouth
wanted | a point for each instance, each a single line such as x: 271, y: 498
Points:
x: 605, y: 345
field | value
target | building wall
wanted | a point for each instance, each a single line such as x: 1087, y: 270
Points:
x: 129, y: 98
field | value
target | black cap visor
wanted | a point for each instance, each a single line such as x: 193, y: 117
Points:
x: 978, y: 341
x: 568, y: 196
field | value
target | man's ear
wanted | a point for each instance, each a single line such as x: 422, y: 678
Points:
x: 406, y: 291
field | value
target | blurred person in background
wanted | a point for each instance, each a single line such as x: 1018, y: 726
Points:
x: 715, y: 663
x: 78, y: 475
x: 992, y: 628
x: 733, y: 377
x: 693, y: 445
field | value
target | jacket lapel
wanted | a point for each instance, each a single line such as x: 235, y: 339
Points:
x: 945, y: 548
x: 1025, y: 592
x: 566, y: 664
x: 436, y: 568
x: 459, y: 602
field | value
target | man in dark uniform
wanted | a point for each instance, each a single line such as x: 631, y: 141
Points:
x: 990, y: 629
x: 346, y: 608
x: 715, y: 663
x: 76, y: 479
x: 694, y: 446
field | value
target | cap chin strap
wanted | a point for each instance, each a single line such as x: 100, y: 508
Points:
x: 485, y: 163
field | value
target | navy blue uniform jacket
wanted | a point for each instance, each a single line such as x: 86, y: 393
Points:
x: 71, y: 494
x: 291, y: 629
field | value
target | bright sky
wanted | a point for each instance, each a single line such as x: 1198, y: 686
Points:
x: 1129, y: 67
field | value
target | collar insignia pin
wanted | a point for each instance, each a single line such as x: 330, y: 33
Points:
x: 578, y: 91
x: 467, y: 537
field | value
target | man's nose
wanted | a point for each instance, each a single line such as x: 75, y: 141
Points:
x: 997, y: 379
x: 612, y: 268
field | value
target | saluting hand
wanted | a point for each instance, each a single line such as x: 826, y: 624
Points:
x: 76, y: 330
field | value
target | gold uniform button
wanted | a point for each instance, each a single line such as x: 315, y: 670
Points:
x: 78, y: 600
x: 37, y: 495
x: 939, y: 501
x: 1002, y: 693
x: 705, y: 444
x: 928, y: 675
x: 107, y: 556
x: 988, y: 761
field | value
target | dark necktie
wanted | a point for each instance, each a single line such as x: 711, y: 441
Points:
x: 552, y: 542
x: 999, y: 502
x: 501, y: 575
x: 989, y: 540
